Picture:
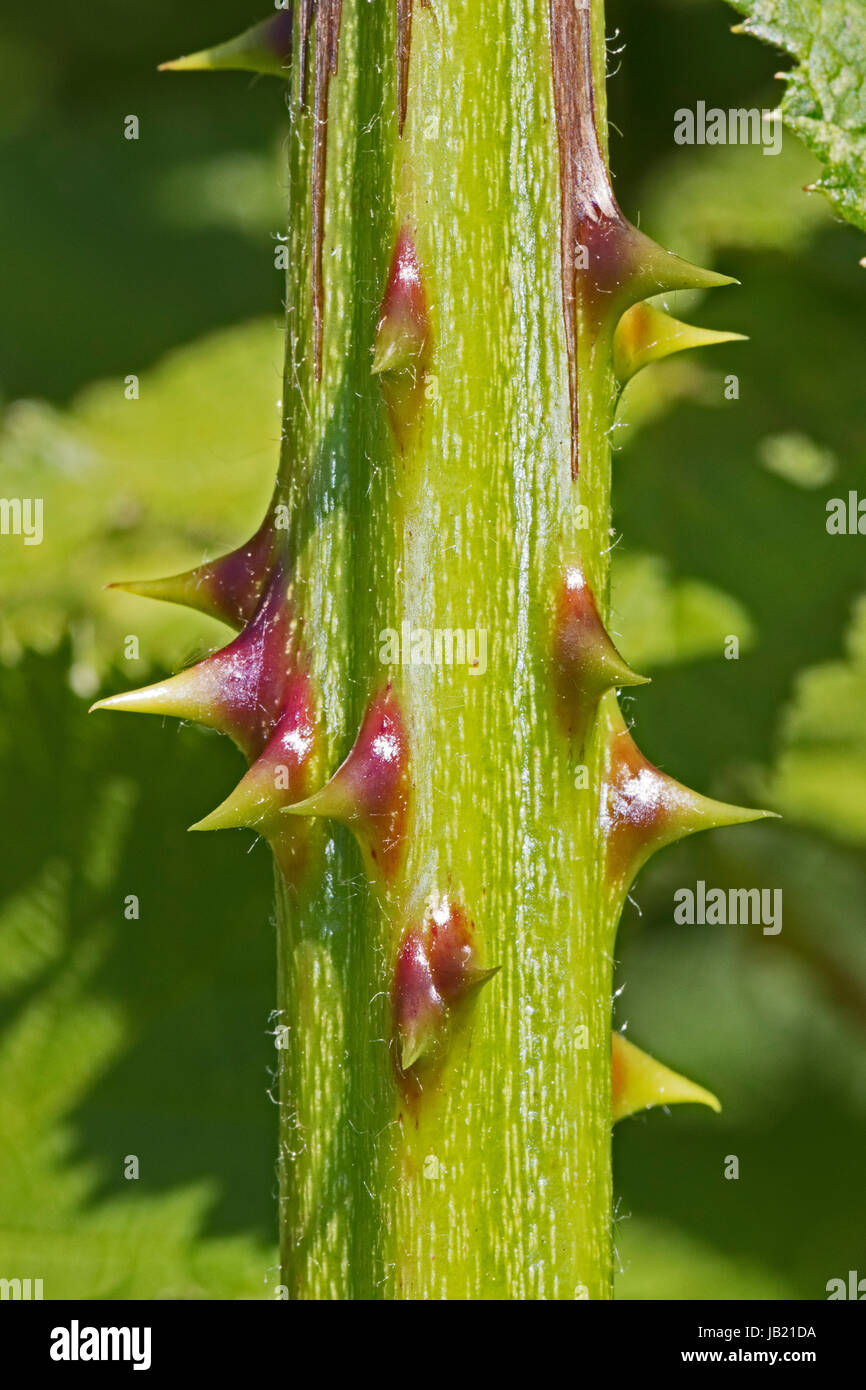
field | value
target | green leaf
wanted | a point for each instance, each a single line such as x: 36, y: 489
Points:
x: 121, y: 1037
x: 825, y: 99
x: 133, y: 489
x: 820, y: 774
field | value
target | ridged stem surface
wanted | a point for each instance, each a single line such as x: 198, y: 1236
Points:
x: 486, y: 1175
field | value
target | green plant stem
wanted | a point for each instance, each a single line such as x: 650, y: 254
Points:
x: 494, y: 1182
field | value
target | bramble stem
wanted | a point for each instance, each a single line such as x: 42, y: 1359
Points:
x: 445, y: 500
x: 433, y: 573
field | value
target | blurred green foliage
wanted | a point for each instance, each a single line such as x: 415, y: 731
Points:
x: 118, y: 506
x: 151, y: 1036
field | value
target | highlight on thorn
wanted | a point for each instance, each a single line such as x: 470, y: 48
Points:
x: 436, y: 974
x: 370, y: 790
x: 643, y: 809
x: 238, y: 690
x: 586, y: 662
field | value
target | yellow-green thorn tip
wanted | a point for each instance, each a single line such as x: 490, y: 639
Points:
x: 677, y: 274
x: 651, y: 270
x: 175, y: 588
x: 638, y: 1082
x: 393, y: 351
x: 279, y: 775
x: 265, y: 48
x: 328, y: 801
x: 370, y: 790
x: 411, y: 1050
x: 196, y: 694
x: 643, y: 809
x: 645, y: 334
x: 237, y: 812
x: 188, y: 695
x: 255, y: 805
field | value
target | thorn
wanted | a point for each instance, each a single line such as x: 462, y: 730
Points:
x: 452, y: 953
x: 369, y: 792
x: 607, y: 264
x: 436, y: 975
x: 402, y: 346
x: 258, y: 798
x: 645, y: 334
x: 265, y: 48
x: 653, y: 270
x: 638, y: 1082
x: 237, y: 690
x: 586, y: 662
x: 403, y: 330
x: 419, y: 1009
x: 619, y: 265
x: 279, y: 776
x: 643, y: 809
x: 227, y: 588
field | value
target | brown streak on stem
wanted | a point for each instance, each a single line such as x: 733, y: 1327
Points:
x: 404, y: 45
x: 585, y: 190
x: 328, y: 18
x: 306, y: 19
x: 334, y: 35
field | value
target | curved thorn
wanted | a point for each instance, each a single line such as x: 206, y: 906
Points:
x: 643, y: 809
x: 228, y: 588
x: 265, y: 48
x: 278, y: 776
x: 645, y: 334
x: 586, y: 662
x: 238, y: 690
x: 638, y: 1082
x: 369, y: 792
